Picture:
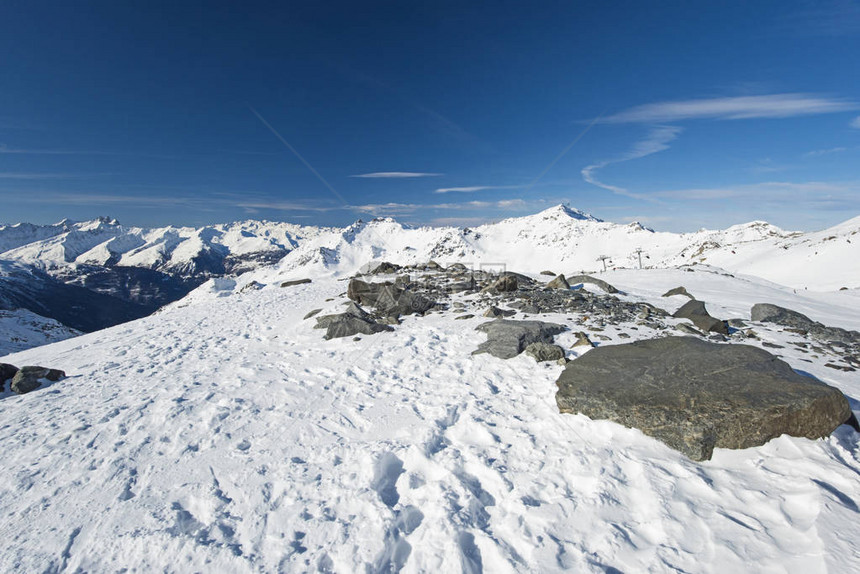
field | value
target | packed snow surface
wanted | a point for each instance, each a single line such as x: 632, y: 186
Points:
x: 228, y: 436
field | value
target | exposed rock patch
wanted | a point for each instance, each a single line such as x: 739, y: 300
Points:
x: 767, y: 313
x: 696, y: 312
x: 295, y: 282
x: 507, y: 339
x: 541, y: 352
x: 677, y: 291
x: 576, y: 279
x: 559, y: 283
x: 353, y: 321
x: 31, y: 378
x: 694, y: 395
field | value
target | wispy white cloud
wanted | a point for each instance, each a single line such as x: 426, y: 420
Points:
x: 474, y: 188
x: 772, y: 191
x: 732, y: 108
x: 395, y: 174
x: 394, y: 208
x: 658, y: 140
x: 855, y: 123
x: 820, y: 152
x: 44, y: 176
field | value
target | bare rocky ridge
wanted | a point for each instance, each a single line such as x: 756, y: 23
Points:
x: 692, y: 394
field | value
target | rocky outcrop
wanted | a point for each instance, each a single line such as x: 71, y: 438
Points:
x: 576, y: 279
x: 507, y: 339
x: 696, y: 312
x: 353, y: 321
x: 559, y: 283
x: 677, y: 291
x: 541, y: 352
x: 31, y: 378
x: 382, y: 268
x: 496, y: 313
x: 295, y: 282
x: 388, y: 299
x: 767, y: 313
x: 582, y: 340
x: 695, y: 395
x: 505, y: 284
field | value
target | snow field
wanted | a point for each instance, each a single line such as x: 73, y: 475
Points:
x: 229, y: 436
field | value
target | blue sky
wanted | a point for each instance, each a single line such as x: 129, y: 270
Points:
x: 681, y: 115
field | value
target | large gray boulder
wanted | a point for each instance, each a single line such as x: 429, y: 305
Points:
x: 576, y: 279
x: 353, y: 321
x: 694, y: 395
x: 507, y: 338
x: 349, y: 325
x: 768, y: 313
x: 696, y: 312
x: 31, y: 378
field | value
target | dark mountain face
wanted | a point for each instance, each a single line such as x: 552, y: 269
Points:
x: 74, y: 306
x: 145, y: 287
x: 93, y: 297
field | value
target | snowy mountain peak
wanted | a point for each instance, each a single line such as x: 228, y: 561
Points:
x: 562, y: 210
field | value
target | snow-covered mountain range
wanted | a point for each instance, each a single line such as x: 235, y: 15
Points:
x: 566, y: 240
x: 140, y: 270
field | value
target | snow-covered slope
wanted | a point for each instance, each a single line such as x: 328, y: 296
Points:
x: 230, y: 437
x: 22, y: 329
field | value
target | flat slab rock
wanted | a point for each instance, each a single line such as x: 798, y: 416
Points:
x: 695, y: 395
x: 507, y: 339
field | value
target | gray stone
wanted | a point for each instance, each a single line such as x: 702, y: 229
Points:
x: 576, y: 279
x: 504, y: 284
x: 351, y: 309
x: 462, y: 317
x: 767, y: 313
x: 696, y: 312
x: 312, y: 313
x: 251, y: 286
x: 550, y: 273
x: 30, y: 378
x: 382, y: 268
x: 541, y: 352
x: 496, y: 313
x: 688, y: 329
x: 677, y: 291
x: 295, y: 282
x: 349, y: 325
x: 507, y: 339
x: 559, y: 283
x: 582, y: 340
x: 694, y: 395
